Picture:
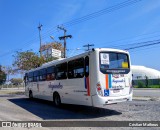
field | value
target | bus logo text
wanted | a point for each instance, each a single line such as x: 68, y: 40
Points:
x: 118, y: 81
x: 55, y: 86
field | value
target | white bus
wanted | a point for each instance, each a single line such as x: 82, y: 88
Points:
x: 95, y: 78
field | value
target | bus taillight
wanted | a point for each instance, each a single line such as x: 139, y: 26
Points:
x: 99, y: 89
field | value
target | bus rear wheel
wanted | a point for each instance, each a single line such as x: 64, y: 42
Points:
x: 30, y: 95
x: 56, y: 99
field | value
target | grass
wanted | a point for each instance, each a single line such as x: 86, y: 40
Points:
x: 150, y: 86
x: 154, y: 86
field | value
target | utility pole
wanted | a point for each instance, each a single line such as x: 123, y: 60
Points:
x: 39, y: 28
x: 64, y: 38
x: 88, y: 46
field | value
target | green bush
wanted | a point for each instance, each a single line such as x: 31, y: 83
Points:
x: 135, y: 86
x: 141, y: 84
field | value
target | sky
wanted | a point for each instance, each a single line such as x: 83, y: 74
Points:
x: 120, y: 28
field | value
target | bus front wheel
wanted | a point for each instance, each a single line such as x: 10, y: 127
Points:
x: 56, y: 99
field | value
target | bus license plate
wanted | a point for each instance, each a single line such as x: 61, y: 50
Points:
x: 116, y: 91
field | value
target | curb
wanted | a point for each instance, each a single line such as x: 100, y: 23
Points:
x: 146, y: 99
x: 146, y: 88
x: 141, y: 98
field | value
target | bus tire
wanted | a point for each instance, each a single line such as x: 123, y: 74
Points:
x: 30, y: 95
x: 56, y: 99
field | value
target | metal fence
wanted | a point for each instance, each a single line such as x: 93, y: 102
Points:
x: 146, y: 82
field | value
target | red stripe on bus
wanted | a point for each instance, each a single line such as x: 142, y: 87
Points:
x: 88, y: 86
x: 107, y: 80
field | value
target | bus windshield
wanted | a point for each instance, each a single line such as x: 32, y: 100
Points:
x: 112, y: 62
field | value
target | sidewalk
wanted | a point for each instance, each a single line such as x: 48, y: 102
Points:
x: 20, y: 88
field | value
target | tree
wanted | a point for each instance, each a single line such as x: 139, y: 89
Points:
x: 16, y: 81
x: 27, y: 60
x: 50, y: 59
x: 141, y: 84
x: 2, y: 76
x: 9, y: 71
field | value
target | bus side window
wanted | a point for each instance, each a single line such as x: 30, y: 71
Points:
x: 51, y: 73
x: 42, y: 75
x: 35, y: 76
x: 71, y: 69
x: 76, y: 68
x: 86, y: 66
x: 30, y: 76
x: 79, y: 68
x: 61, y: 71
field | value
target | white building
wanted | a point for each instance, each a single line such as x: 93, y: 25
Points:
x: 50, y: 52
x: 140, y: 72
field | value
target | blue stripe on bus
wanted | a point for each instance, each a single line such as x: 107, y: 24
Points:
x: 110, y: 80
x: 85, y: 83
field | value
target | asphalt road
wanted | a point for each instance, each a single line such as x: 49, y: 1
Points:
x: 155, y: 93
x: 15, y: 107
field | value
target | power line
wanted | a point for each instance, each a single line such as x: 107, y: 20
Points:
x: 101, y: 12
x: 97, y: 14
x: 145, y: 45
x: 128, y: 38
x: 146, y: 48
x: 137, y: 45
